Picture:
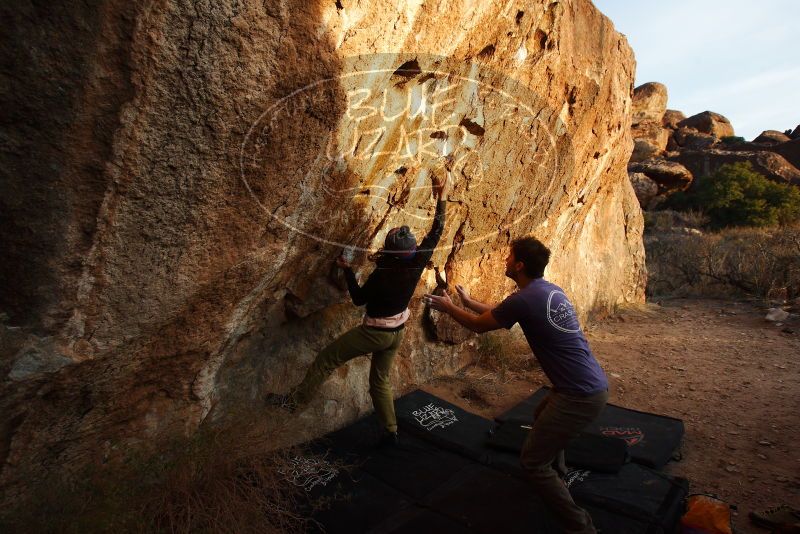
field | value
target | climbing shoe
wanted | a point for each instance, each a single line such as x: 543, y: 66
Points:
x: 389, y: 440
x: 779, y: 516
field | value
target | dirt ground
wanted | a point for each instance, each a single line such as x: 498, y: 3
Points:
x: 733, y: 378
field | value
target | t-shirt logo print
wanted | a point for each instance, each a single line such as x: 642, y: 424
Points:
x: 561, y: 313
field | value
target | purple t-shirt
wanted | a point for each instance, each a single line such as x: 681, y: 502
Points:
x: 551, y: 327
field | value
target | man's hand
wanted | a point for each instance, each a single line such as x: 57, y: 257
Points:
x: 463, y: 293
x: 342, y: 262
x: 436, y: 302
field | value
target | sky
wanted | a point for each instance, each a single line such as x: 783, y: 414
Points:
x: 740, y: 58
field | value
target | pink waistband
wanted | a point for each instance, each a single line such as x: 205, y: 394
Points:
x: 392, y: 321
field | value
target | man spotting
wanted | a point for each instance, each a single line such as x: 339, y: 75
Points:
x: 580, y: 387
x: 386, y: 293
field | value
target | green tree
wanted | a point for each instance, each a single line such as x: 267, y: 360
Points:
x: 737, y: 195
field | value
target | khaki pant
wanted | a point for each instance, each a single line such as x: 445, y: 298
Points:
x: 383, y: 345
x: 558, y: 419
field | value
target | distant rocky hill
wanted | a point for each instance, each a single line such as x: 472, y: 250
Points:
x: 672, y: 152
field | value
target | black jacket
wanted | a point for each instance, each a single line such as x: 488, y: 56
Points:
x: 391, y: 285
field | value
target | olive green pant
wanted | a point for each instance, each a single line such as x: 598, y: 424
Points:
x: 383, y: 345
x: 558, y: 419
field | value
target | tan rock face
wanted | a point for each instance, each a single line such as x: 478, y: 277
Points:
x: 178, y: 179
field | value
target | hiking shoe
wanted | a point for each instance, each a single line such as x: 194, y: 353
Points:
x: 281, y: 400
x: 783, y: 515
x: 389, y: 440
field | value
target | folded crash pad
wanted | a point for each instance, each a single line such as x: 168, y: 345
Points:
x: 652, y: 439
x: 587, y: 451
x: 636, y: 492
x: 444, y: 424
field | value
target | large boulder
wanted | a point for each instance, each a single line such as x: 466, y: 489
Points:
x: 771, y: 137
x: 681, y: 134
x: 649, y: 102
x: 706, y: 162
x: 646, y: 189
x: 668, y: 175
x: 650, y: 140
x: 795, y: 133
x: 178, y: 177
x: 671, y: 119
x: 698, y: 141
x: 644, y: 149
x: 710, y: 123
x: 790, y: 150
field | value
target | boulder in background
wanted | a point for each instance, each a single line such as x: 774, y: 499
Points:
x: 649, y: 102
x: 710, y: 123
x: 669, y: 175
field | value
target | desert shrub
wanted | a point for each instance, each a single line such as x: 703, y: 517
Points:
x: 229, y: 478
x: 747, y: 261
x: 736, y: 195
x: 667, y: 220
x: 732, y: 139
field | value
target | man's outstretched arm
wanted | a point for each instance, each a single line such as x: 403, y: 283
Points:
x: 477, y: 323
x: 472, y: 304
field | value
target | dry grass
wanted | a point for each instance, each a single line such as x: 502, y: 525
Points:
x: 668, y: 220
x: 226, y: 479
x: 762, y: 263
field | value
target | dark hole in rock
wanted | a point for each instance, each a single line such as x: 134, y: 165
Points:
x: 487, y: 52
x: 409, y: 69
x: 519, y: 16
x: 472, y: 127
x: 573, y: 96
x: 401, y: 171
x: 438, y: 134
x: 541, y: 38
x: 339, y: 5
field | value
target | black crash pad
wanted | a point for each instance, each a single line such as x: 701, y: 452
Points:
x: 420, y: 520
x: 652, y: 439
x: 605, y: 521
x: 353, y: 502
x: 488, y: 501
x: 444, y: 424
x: 415, y: 468
x: 587, y: 451
x: 636, y: 492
